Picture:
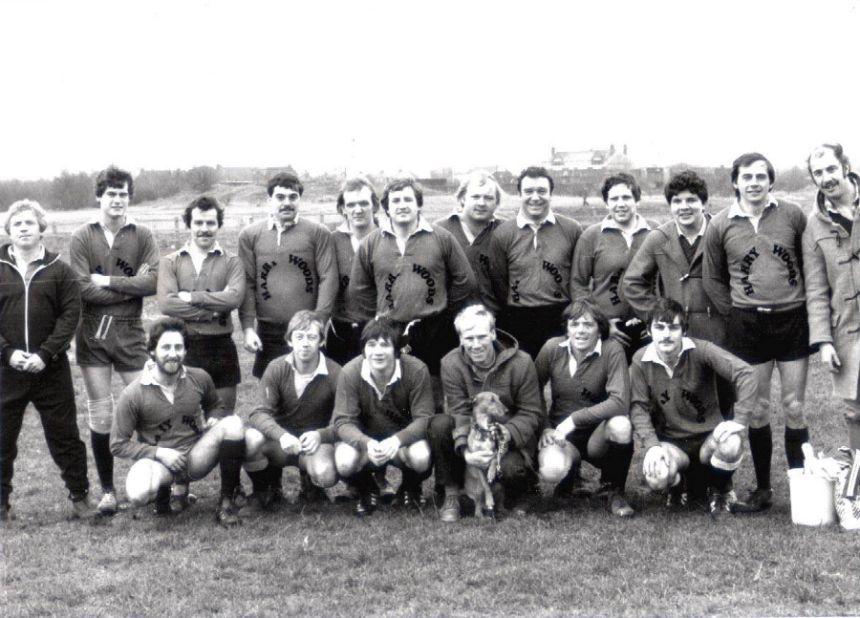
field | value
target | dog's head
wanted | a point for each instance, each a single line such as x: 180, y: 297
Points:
x: 487, y: 408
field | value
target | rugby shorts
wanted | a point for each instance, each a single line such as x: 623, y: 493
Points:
x: 105, y: 340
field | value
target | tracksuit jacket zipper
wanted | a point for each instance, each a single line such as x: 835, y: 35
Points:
x: 27, y: 296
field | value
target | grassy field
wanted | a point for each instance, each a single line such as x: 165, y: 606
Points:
x: 322, y: 561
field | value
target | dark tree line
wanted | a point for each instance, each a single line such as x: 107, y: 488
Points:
x: 72, y: 191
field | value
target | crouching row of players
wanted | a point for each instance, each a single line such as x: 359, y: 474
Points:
x: 345, y: 423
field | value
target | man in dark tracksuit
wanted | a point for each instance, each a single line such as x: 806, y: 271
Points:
x: 752, y: 271
x: 40, y: 305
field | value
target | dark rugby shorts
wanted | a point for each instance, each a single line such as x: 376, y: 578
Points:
x: 691, y: 446
x: 758, y: 336
x: 105, y: 340
x: 272, y: 336
x: 217, y: 356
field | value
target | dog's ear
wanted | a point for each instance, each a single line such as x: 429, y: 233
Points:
x: 501, y: 408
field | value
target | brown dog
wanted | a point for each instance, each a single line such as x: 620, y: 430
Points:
x: 488, y: 412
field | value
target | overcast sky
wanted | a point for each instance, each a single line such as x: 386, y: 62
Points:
x: 365, y: 86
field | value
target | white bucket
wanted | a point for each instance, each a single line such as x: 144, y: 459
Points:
x: 812, y: 502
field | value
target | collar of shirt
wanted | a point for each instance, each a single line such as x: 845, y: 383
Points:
x: 573, y: 365
x: 39, y: 257
x: 423, y: 226
x: 273, y: 224
x: 128, y: 221
x: 701, y: 231
x: 650, y: 355
x: 523, y: 222
x: 609, y: 223
x: 321, y: 368
x: 216, y: 248
x: 365, y: 375
x: 354, y: 240
x: 148, y: 378
x: 735, y: 208
x: 470, y: 237
x: 833, y: 209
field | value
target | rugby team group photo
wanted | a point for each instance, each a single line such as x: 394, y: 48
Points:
x: 491, y: 360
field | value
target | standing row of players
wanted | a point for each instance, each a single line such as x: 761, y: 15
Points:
x: 738, y: 278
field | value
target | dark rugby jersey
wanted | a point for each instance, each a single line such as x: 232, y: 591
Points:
x: 478, y: 253
x: 533, y: 270
x: 747, y: 267
x: 286, y: 271
x: 601, y: 257
x: 431, y: 275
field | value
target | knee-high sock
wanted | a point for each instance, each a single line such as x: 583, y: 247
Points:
x: 617, y: 464
x: 761, y: 445
x: 794, y: 438
x: 854, y: 435
x: 259, y: 479
x: 719, y: 479
x: 100, y: 443
x: 230, y: 456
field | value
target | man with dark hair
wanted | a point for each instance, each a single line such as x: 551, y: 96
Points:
x: 201, y: 284
x: 487, y: 360
x: 530, y: 261
x: 289, y: 265
x: 473, y: 223
x: 752, y: 272
x: 183, y: 431
x: 358, y: 204
x: 831, y: 244
x: 669, y: 262
x: 116, y: 261
x: 40, y: 304
x: 602, y: 254
x: 675, y: 412
x: 383, y: 406
x: 413, y: 273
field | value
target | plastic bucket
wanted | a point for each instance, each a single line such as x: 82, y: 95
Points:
x: 812, y: 502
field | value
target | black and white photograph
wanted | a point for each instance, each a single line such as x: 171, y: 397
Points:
x: 429, y: 308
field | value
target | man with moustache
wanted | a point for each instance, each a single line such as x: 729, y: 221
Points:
x: 358, y: 204
x: 831, y: 246
x: 183, y: 430
x: 201, y: 284
x: 116, y: 261
x: 473, y: 224
x: 530, y: 261
x: 752, y: 272
x: 40, y: 304
x: 289, y: 265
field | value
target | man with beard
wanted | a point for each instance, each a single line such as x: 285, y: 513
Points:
x: 201, y: 285
x: 183, y: 431
x: 831, y: 245
x: 289, y: 265
x: 530, y: 260
x: 116, y: 261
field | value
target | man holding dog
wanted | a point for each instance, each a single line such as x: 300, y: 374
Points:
x: 487, y: 360
x: 831, y: 245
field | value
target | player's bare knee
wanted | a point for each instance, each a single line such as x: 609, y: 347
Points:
x: 231, y: 427
x: 100, y: 414
x: 793, y: 412
x: 418, y: 456
x: 619, y: 429
x: 323, y: 473
x: 254, y: 441
x: 143, y: 480
x: 346, y: 459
